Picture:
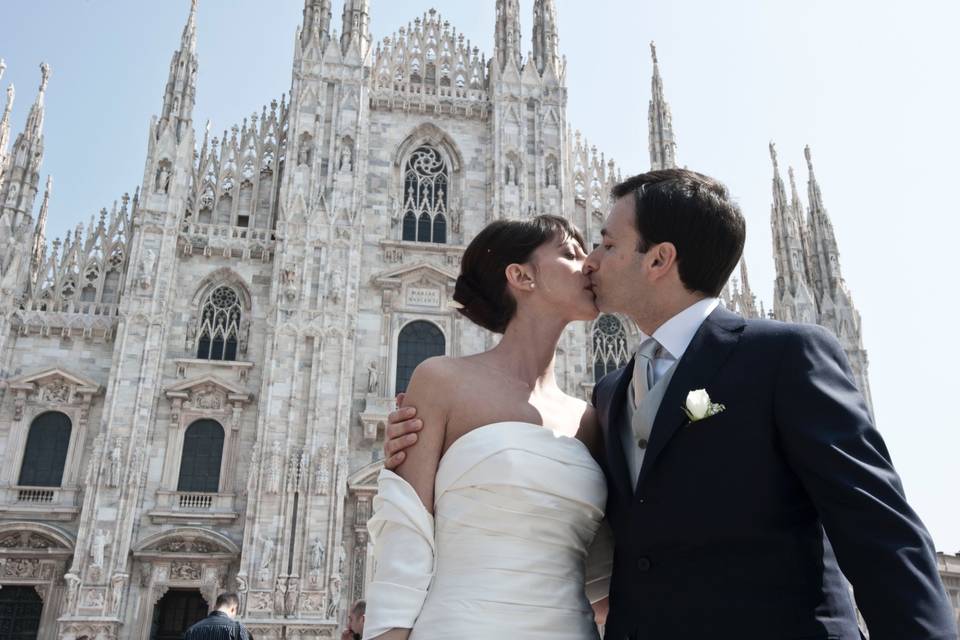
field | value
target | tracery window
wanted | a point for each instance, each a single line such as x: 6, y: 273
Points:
x: 418, y: 341
x: 46, y: 451
x: 425, y: 186
x: 609, y: 346
x: 219, y: 329
x: 202, y: 454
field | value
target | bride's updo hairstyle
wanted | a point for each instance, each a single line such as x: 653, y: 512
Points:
x: 481, y: 289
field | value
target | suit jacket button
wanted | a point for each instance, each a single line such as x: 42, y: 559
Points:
x: 643, y: 564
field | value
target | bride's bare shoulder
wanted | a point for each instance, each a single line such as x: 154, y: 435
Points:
x: 443, y: 370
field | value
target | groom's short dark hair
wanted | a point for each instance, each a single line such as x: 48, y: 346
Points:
x: 695, y: 213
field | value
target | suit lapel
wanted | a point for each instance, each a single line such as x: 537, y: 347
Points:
x: 708, y: 350
x: 616, y: 458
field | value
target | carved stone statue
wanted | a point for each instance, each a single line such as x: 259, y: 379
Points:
x: 335, y: 292
x: 290, y: 598
x: 148, y: 261
x: 101, y: 538
x: 266, y: 553
x: 73, y: 587
x: 116, y: 464
x: 279, y: 596
x: 244, y: 334
x: 191, y: 335
x: 274, y: 468
x: 333, y: 603
x: 343, y: 560
x: 317, y: 553
x: 511, y: 173
x: 163, y: 179
x: 373, y: 377
x: 551, y: 174
x: 346, y: 159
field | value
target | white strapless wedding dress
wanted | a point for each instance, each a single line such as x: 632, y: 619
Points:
x: 516, y: 509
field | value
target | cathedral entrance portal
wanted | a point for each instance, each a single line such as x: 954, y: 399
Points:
x: 20, y: 610
x: 176, y: 611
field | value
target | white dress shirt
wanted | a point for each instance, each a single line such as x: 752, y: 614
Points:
x: 674, y: 336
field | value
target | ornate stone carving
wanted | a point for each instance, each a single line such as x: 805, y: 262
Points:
x: 101, y: 539
x: 73, y: 587
x: 37, y: 541
x: 322, y: 480
x: 148, y: 262
x: 174, y: 545
x: 291, y: 597
x: 335, y: 289
x: 333, y: 602
x: 259, y: 601
x: 146, y: 574
x: 317, y: 554
x: 311, y: 601
x: 207, y: 398
x: 115, y: 463
x: 92, y: 598
x: 186, y: 571
x: 274, y: 468
x: 279, y: 595
x: 20, y: 568
x: 55, y: 392
x: 11, y: 541
x: 117, y: 584
x: 266, y: 557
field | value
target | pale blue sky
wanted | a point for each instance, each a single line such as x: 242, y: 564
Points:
x: 870, y: 85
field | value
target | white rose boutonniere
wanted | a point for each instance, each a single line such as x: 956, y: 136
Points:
x: 699, y: 405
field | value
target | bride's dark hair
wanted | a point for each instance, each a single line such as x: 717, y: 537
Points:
x: 482, y: 286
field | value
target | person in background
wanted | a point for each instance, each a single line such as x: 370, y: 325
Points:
x: 221, y: 624
x: 358, y: 613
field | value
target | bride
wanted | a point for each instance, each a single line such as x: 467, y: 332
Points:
x: 485, y: 527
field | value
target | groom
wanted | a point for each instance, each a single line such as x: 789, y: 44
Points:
x: 734, y: 517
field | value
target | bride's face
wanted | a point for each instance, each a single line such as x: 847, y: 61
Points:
x: 561, y: 288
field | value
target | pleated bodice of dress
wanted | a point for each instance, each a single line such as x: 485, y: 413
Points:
x: 516, y: 508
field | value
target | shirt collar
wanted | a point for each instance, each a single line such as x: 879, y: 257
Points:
x: 675, y: 334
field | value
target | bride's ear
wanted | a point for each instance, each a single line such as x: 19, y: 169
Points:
x: 520, y: 277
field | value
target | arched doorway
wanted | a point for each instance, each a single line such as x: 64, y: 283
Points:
x: 20, y: 610
x: 176, y: 611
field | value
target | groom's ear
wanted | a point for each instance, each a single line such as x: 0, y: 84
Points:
x: 661, y: 259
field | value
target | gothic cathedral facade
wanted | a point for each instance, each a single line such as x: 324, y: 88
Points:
x: 193, y: 386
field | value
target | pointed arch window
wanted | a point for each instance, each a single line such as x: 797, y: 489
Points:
x: 425, y: 186
x: 202, y: 455
x: 609, y: 346
x: 418, y: 341
x: 219, y: 329
x: 46, y: 451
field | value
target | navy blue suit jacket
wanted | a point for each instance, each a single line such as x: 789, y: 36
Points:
x: 740, y: 524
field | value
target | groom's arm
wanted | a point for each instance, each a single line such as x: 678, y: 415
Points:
x: 832, y: 445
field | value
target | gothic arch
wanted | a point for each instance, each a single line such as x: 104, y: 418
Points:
x: 222, y: 276
x: 61, y: 538
x: 430, y: 134
x: 216, y: 540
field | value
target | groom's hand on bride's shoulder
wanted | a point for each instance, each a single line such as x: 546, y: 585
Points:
x: 401, y: 433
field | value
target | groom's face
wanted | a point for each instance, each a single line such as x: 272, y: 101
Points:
x: 615, y: 268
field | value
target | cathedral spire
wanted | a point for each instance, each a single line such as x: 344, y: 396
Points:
x: 792, y: 299
x: 181, y: 90
x: 356, y: 26
x: 5, y: 133
x: 40, y: 231
x: 663, y: 145
x: 316, y: 22
x: 545, y: 37
x: 22, y: 174
x: 825, y: 254
x: 507, y: 35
